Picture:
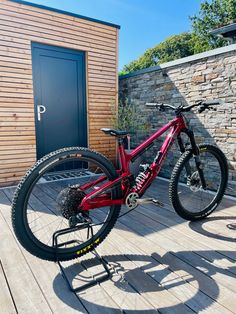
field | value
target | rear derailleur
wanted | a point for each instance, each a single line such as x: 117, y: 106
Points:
x: 80, y: 218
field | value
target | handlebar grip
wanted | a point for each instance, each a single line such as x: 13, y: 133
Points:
x: 162, y: 107
x: 212, y: 102
x: 152, y: 105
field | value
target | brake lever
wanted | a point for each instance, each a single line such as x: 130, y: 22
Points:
x: 205, y: 107
x: 201, y: 108
x: 212, y: 108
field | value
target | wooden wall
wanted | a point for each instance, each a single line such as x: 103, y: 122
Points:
x: 21, y: 24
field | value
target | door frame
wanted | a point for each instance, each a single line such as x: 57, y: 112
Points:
x: 81, y: 92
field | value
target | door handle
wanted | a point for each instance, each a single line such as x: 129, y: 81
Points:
x: 40, y: 109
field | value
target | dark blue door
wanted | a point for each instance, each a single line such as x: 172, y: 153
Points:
x: 60, y: 98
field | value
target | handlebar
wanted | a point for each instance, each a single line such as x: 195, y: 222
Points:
x: 202, y: 105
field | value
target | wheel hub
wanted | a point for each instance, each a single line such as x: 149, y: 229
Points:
x: 194, y: 182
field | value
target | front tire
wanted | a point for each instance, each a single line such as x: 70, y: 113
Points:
x: 188, y: 198
x: 35, y: 213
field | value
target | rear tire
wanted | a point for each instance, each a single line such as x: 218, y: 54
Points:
x: 187, y: 196
x: 22, y: 205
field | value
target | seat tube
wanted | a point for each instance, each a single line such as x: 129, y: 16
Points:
x: 122, y: 155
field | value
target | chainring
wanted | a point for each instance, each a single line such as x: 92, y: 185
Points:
x: 68, y: 201
x: 131, y: 200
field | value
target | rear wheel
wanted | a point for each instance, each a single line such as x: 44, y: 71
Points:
x: 49, y: 195
x: 188, y: 198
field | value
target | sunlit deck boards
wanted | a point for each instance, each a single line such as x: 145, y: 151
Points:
x: 160, y: 264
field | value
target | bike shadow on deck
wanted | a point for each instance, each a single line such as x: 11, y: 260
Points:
x: 229, y: 225
x: 150, y: 278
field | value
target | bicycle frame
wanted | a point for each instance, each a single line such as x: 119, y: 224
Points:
x: 99, y: 198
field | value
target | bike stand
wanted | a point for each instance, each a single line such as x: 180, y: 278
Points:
x: 93, y: 282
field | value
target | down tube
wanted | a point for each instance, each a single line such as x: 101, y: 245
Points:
x: 144, y: 145
x: 162, y: 154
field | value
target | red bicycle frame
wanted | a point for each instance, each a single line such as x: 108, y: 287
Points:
x: 99, y: 198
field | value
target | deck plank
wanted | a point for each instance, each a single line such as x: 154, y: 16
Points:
x: 7, y: 304
x: 27, y: 294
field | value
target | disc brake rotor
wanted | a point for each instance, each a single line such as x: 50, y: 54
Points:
x: 194, y: 182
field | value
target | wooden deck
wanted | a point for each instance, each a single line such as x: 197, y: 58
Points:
x: 160, y: 264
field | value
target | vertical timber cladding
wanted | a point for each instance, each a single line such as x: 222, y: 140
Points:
x: 22, y: 24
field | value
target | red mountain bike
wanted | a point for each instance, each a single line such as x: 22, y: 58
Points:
x: 81, y: 188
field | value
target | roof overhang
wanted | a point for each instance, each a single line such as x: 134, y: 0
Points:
x: 227, y: 31
x: 65, y: 12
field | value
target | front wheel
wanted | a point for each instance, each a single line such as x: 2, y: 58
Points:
x: 187, y: 196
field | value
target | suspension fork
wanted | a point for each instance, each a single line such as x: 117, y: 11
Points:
x: 196, y: 154
x: 182, y: 150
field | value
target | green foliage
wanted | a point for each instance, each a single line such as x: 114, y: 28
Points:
x: 174, y: 47
x: 213, y: 13
x: 128, y: 118
x: 122, y: 73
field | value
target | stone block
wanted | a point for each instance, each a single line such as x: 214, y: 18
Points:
x: 211, y: 76
x: 200, y: 67
x: 229, y: 60
x: 169, y: 86
x: 198, y: 79
x: 208, y: 71
x: 217, y: 80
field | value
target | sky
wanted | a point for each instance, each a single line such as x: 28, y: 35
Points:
x: 144, y: 23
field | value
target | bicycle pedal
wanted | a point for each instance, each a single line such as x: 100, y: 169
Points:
x: 157, y: 203
x: 141, y: 201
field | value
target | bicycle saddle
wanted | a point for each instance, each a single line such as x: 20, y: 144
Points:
x: 113, y: 132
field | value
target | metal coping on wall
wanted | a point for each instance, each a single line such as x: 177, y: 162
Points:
x: 65, y: 12
x: 193, y: 58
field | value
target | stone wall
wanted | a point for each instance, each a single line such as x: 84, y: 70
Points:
x: 210, y: 75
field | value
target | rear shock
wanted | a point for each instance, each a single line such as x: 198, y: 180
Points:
x: 142, y: 176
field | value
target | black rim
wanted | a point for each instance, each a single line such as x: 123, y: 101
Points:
x: 50, y: 249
